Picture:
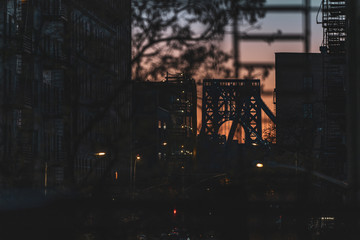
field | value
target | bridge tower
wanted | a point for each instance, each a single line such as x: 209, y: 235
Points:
x: 237, y: 100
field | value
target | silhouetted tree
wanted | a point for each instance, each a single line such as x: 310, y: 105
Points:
x: 179, y: 35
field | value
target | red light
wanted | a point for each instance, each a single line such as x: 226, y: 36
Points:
x: 174, y: 211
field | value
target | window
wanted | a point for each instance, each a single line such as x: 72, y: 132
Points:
x: 17, y: 117
x: 307, y: 83
x: 308, y: 110
x: 35, y: 142
x: 18, y: 64
x: 59, y: 175
x: 47, y: 77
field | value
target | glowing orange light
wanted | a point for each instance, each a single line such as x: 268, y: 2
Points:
x: 259, y: 165
x: 100, y: 154
x: 174, y: 211
x: 116, y: 175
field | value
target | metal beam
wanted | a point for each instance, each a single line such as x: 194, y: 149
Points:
x: 281, y: 8
x: 232, y: 131
x: 267, y: 111
x: 270, y: 37
x: 257, y: 64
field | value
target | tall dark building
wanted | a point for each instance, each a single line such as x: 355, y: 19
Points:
x: 65, y: 74
x: 165, y: 126
x: 299, y: 97
x: 306, y: 109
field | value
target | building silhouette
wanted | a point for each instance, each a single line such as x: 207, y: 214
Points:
x: 299, y: 103
x: 65, y: 94
x: 311, y: 99
x: 165, y: 127
x: 305, y: 112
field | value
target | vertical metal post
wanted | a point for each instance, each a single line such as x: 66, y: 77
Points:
x: 134, y: 178
x: 46, y: 178
x: 353, y: 98
x: 131, y: 178
x: 307, y: 27
x: 131, y: 143
x: 236, y: 39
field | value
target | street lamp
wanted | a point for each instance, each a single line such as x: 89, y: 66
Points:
x: 100, y: 154
x: 259, y: 165
x: 137, y: 158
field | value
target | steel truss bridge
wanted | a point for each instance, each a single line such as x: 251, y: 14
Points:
x: 236, y: 100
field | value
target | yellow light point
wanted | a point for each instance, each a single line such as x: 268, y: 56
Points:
x: 116, y: 175
x: 259, y: 165
x: 138, y: 157
x: 164, y: 143
x: 100, y: 154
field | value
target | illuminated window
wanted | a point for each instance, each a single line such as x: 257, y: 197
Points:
x: 159, y: 124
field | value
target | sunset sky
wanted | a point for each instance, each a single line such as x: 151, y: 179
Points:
x: 258, y: 51
x: 285, y: 22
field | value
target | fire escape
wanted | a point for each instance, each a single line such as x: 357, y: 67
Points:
x: 334, y: 25
x: 51, y: 87
x: 334, y: 35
